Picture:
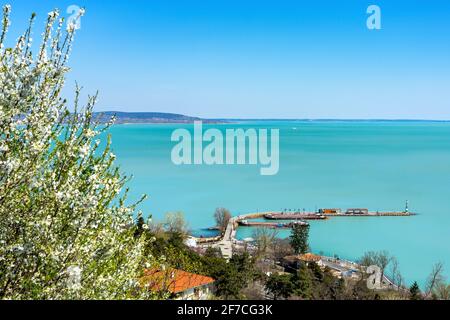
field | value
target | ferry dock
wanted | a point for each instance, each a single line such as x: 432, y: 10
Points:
x: 321, y: 216
x: 294, y: 216
x: 289, y: 225
x: 226, y: 240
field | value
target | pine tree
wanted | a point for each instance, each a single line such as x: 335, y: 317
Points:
x: 316, y: 271
x: 303, y: 282
x: 299, y: 238
x: 414, y: 292
x: 280, y: 286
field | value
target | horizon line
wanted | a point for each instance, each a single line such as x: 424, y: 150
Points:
x: 273, y: 119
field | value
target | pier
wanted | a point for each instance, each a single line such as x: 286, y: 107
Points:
x: 226, y: 241
x: 318, y: 216
x: 294, y: 216
x: 376, y: 214
x: 245, y: 223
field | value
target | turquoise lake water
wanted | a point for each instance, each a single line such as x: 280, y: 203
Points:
x: 375, y: 165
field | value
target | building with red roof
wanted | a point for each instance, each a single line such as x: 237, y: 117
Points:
x: 180, y: 284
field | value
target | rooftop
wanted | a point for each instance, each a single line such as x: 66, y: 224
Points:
x: 307, y: 257
x: 173, y: 280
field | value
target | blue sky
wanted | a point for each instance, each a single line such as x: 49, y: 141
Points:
x: 260, y: 59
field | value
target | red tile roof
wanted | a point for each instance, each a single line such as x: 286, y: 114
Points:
x: 173, y: 280
x: 308, y: 257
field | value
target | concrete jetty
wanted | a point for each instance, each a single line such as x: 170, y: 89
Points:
x: 295, y: 216
x: 274, y: 225
x: 226, y: 241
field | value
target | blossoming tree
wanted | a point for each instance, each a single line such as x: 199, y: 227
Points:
x: 65, y: 230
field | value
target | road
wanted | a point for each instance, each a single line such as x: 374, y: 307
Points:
x: 226, y: 244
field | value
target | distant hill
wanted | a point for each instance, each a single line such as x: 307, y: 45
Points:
x: 149, y: 117
x: 162, y: 117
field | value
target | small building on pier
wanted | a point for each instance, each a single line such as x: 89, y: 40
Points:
x: 329, y: 211
x: 357, y: 211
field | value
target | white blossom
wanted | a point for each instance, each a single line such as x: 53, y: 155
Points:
x: 61, y: 212
x: 74, y: 278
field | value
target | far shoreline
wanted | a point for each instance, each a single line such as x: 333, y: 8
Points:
x: 237, y: 121
x: 174, y: 118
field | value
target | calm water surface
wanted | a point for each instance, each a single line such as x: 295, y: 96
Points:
x: 376, y: 165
